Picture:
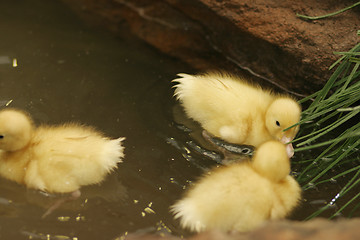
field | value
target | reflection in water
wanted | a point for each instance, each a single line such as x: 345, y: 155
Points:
x: 111, y: 191
x: 4, y: 60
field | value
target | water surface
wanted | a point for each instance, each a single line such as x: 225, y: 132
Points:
x: 60, y: 70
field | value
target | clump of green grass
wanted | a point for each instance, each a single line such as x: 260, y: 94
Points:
x: 333, y: 114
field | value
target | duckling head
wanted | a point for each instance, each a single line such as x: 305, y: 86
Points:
x: 283, y: 113
x: 271, y: 161
x: 15, y: 130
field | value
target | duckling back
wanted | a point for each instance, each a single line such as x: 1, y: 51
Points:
x: 224, y: 105
x: 69, y: 156
x: 204, y: 96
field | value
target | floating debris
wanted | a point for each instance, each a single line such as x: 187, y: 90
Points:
x: 63, y: 218
x: 148, y: 210
x: 123, y: 237
x: 32, y: 235
x: 162, y: 228
x: 5, y: 103
x: 14, y: 62
x: 80, y: 218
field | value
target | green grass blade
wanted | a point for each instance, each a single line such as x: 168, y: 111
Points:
x: 328, y: 15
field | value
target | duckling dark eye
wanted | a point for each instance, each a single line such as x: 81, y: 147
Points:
x: 1, y: 136
x: 277, y: 123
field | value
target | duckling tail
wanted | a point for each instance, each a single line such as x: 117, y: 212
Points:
x: 113, y: 154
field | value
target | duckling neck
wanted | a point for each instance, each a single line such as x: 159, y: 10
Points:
x: 258, y: 134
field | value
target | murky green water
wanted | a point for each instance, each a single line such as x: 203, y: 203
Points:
x: 60, y: 70
x: 68, y: 72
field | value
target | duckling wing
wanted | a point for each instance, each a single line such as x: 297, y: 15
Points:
x: 288, y: 195
x: 54, y: 175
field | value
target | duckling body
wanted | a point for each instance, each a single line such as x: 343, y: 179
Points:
x: 241, y: 196
x: 57, y: 159
x: 236, y: 111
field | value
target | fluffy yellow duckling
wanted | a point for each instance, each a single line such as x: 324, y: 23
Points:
x: 241, y: 196
x: 57, y: 159
x: 236, y: 111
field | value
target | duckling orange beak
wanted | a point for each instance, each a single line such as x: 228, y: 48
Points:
x: 289, y: 147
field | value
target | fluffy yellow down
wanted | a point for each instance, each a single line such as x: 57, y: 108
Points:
x: 236, y: 111
x: 241, y: 196
x: 56, y: 159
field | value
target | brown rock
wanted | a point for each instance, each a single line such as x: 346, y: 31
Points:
x: 269, y: 38
x: 316, y: 229
x: 263, y: 36
x: 311, y: 230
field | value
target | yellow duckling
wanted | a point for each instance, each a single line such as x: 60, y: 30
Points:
x: 236, y: 111
x: 241, y: 196
x: 55, y: 159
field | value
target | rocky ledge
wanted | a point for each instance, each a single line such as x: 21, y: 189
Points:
x: 280, y: 230
x: 264, y: 37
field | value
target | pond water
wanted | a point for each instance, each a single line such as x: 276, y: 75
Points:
x: 60, y: 70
